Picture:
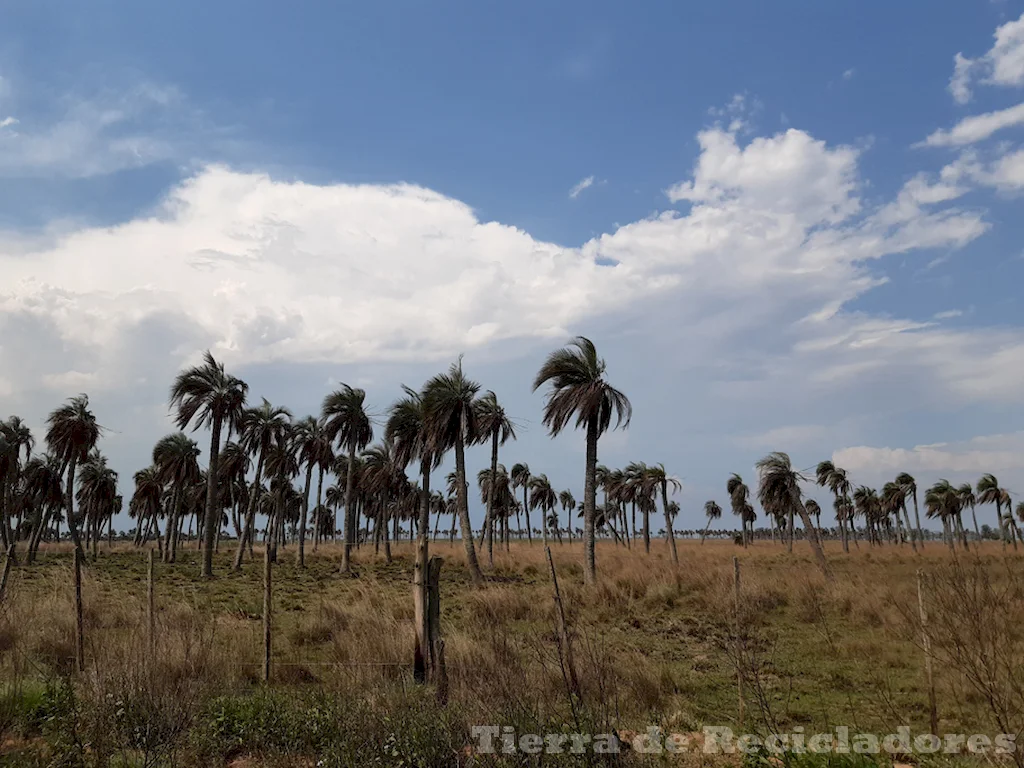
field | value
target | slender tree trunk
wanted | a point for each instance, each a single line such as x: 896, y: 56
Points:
x: 647, y: 528
x: 792, y: 528
x: 305, y: 516
x: 489, y: 518
x: 590, y: 505
x: 250, y: 516
x: 526, y: 512
x: 977, y: 531
x: 704, y: 533
x: 917, y: 521
x: 815, y: 542
x: 211, y: 523
x: 462, y: 501
x: 668, y: 523
x: 349, y: 526
x: 69, y: 507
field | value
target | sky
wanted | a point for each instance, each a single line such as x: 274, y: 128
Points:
x: 787, y: 226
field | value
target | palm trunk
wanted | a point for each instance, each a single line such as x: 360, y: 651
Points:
x: 305, y: 516
x: 977, y: 531
x: 250, y: 515
x: 647, y: 528
x: 462, y: 501
x: 590, y: 505
x: 792, y: 528
x: 526, y: 511
x: 917, y: 521
x: 489, y: 517
x: 668, y: 522
x: 212, y: 517
x: 704, y: 533
x: 69, y: 506
x: 349, y: 527
x: 815, y: 541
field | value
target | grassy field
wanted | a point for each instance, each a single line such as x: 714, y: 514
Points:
x: 654, y: 645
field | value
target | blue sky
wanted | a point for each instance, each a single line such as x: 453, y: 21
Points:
x: 770, y: 250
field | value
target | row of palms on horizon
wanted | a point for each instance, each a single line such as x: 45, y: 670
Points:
x: 253, y: 471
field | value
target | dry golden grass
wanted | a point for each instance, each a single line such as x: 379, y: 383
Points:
x: 651, y: 640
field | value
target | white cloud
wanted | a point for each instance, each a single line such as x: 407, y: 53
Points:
x: 977, y: 128
x: 990, y: 453
x: 1002, y: 65
x: 790, y: 173
x: 848, y: 74
x: 586, y: 183
x: 99, y: 134
x: 948, y: 314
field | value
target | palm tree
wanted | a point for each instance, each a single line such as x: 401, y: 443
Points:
x: 942, y: 500
x: 868, y: 505
x: 713, y: 512
x: 779, y: 493
x: 313, y: 445
x: 893, y: 500
x: 45, y: 486
x: 637, y: 490
x: 568, y: 503
x: 834, y: 478
x: 145, y: 503
x: 346, y: 421
x: 990, y: 493
x: 175, y: 458
x: 205, y: 395
x: 1011, y: 524
x: 96, y: 495
x: 739, y: 494
x: 382, y: 475
x: 452, y: 423
x: 968, y: 499
x: 500, y: 491
x: 577, y: 388
x: 543, y: 497
x: 495, y: 426
x: 281, y: 466
x: 659, y: 479
x: 843, y: 507
x: 521, y: 479
x: 909, y: 486
x: 71, y: 433
x: 233, y: 467
x: 259, y: 429
x: 15, y: 437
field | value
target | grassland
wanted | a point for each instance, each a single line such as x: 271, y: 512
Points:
x: 654, y: 645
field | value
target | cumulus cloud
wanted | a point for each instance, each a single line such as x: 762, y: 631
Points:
x: 989, y: 453
x: 586, y: 183
x: 1002, y: 65
x: 977, y: 128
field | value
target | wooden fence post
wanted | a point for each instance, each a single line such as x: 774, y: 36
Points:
x: 7, y: 572
x: 79, y: 624
x: 926, y: 641
x: 267, y: 607
x: 739, y: 643
x: 564, y: 646
x: 151, y: 604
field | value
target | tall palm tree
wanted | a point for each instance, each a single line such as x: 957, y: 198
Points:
x: 259, y: 429
x: 497, y: 486
x: 521, y: 479
x: 176, y: 459
x: 893, y: 499
x: 1011, y: 524
x: 834, y: 478
x: 543, y: 497
x: 990, y: 493
x: 15, y: 437
x: 72, y: 431
x: 844, y: 509
x: 739, y: 493
x: 779, y: 493
x: 568, y: 503
x: 942, y: 500
x: 382, y: 478
x: 969, y: 500
x: 577, y: 388
x: 346, y: 421
x: 637, y: 490
x: 205, y: 395
x: 145, y: 503
x: 233, y: 468
x: 409, y: 432
x: 45, y: 486
x: 713, y: 512
x: 282, y: 467
x: 492, y: 425
x: 868, y: 505
x: 452, y: 422
x: 909, y: 486
x: 312, y: 444
x: 661, y: 480
x: 96, y: 495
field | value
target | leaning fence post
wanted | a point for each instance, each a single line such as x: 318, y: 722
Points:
x: 564, y: 647
x: 739, y: 644
x: 926, y: 642
x: 79, y: 633
x: 151, y: 603
x: 266, y: 614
